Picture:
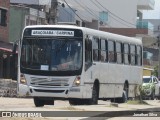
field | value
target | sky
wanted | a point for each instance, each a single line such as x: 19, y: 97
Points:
x: 153, y: 14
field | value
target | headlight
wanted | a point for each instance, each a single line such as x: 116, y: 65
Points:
x: 77, y: 81
x: 22, y: 79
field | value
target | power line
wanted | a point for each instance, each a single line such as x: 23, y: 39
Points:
x: 88, y: 10
x: 93, y: 14
x: 114, y: 14
x: 73, y: 11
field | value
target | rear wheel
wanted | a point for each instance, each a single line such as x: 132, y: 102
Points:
x: 124, y: 97
x: 94, y: 99
x: 125, y: 93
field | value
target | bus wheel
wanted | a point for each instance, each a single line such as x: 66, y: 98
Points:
x: 124, y: 94
x: 94, y: 99
x: 38, y: 102
x: 124, y: 97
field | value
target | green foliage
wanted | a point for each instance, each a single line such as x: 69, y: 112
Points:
x: 137, y: 102
x: 155, y: 72
x: 141, y: 90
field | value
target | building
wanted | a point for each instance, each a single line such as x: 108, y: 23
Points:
x: 5, y: 46
x: 154, y: 48
x: 23, y: 13
x: 14, y: 16
x: 4, y: 20
x: 21, y: 16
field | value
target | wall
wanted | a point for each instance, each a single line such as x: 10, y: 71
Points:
x: 156, y: 23
x: 131, y: 32
x: 4, y: 4
x: 147, y: 71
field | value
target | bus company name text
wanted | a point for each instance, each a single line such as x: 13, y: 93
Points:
x: 52, y: 33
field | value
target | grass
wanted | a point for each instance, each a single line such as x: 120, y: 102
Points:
x: 137, y: 102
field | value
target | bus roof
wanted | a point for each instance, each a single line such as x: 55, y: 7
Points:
x: 93, y: 32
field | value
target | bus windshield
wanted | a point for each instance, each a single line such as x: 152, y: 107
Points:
x: 51, y: 54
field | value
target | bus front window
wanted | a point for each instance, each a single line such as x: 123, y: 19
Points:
x: 51, y: 54
x: 66, y: 55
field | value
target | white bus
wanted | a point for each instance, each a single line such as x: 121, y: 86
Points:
x: 79, y: 64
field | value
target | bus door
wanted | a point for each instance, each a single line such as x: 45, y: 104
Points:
x: 91, y: 59
x: 96, y: 58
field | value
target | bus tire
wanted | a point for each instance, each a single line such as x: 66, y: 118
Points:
x: 94, y: 99
x: 38, y: 102
x: 123, y: 99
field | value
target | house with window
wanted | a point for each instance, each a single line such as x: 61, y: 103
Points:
x: 24, y: 13
x: 4, y: 19
x: 5, y: 46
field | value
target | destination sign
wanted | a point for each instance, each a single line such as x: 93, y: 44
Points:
x: 52, y: 33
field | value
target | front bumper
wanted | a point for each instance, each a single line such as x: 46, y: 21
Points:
x: 56, y: 92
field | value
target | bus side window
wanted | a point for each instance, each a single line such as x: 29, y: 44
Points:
x: 88, y: 53
x: 111, y: 52
x: 133, y: 54
x: 126, y: 54
x: 138, y: 55
x: 104, y: 55
x: 95, y: 49
x: 119, y: 52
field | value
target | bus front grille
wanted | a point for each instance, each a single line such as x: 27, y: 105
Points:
x: 50, y: 91
x: 49, y: 81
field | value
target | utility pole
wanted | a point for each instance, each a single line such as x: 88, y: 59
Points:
x: 158, y: 57
x: 38, y: 13
x: 53, y: 12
